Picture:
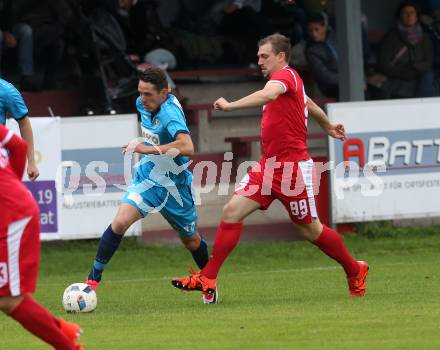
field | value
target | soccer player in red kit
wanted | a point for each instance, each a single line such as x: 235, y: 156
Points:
x: 285, y: 165
x: 20, y: 250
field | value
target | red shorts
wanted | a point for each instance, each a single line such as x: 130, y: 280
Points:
x: 19, y: 249
x: 292, y: 185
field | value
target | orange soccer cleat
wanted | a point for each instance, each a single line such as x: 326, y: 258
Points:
x: 72, y: 331
x: 357, y: 284
x: 196, y: 281
x: 92, y: 284
x: 210, y: 298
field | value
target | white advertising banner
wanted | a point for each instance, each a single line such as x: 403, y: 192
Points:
x: 82, y: 175
x: 93, y: 173
x: 389, y: 168
x: 47, y: 146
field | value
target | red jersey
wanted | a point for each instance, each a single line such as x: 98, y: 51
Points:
x: 13, y: 193
x: 284, y: 123
x: 19, y: 221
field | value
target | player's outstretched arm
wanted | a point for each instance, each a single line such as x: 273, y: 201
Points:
x: 27, y: 134
x: 182, y: 146
x: 17, y: 150
x: 335, y: 130
x: 259, y: 98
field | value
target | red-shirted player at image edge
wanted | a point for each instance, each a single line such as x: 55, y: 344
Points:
x: 20, y: 251
x: 283, y: 136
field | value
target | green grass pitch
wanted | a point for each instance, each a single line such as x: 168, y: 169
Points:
x: 284, y: 295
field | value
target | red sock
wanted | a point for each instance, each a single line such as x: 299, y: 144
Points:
x: 226, y: 239
x: 331, y: 244
x: 37, y: 320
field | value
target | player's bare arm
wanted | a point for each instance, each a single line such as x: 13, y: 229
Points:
x: 335, y: 130
x: 27, y: 134
x: 17, y: 148
x: 259, y: 98
x: 183, y: 144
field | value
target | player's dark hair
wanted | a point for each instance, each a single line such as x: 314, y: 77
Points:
x: 408, y: 3
x: 279, y: 42
x: 155, y: 76
x: 318, y: 17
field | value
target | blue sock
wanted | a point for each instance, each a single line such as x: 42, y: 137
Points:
x: 108, y: 245
x: 201, y: 255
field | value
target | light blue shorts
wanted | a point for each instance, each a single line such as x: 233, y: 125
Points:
x: 176, y: 205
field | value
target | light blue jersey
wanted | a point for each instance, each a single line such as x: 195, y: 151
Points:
x: 158, y: 129
x: 163, y: 183
x: 12, y: 102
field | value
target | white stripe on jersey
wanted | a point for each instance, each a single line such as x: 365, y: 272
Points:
x: 15, y: 232
x: 294, y: 77
x: 7, y: 138
x: 278, y: 81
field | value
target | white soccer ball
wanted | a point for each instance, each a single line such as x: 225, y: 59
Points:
x: 79, y: 297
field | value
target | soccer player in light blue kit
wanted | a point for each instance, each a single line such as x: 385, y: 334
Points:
x: 162, y: 181
x: 12, y: 102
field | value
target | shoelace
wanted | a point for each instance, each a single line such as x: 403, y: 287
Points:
x: 193, y: 277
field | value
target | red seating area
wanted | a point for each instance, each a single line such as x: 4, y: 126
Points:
x: 218, y: 72
x: 60, y: 102
x: 66, y: 102
x: 241, y: 145
x: 192, y: 112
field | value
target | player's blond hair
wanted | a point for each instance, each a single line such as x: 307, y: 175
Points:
x: 279, y: 42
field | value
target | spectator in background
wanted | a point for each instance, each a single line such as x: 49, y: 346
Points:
x: 199, y: 17
x: 146, y: 37
x: 48, y: 20
x: 316, y: 6
x: 141, y: 25
x: 111, y: 6
x: 105, y: 74
x: 321, y: 55
x: 18, y: 36
x: 286, y: 17
x: 322, y: 58
x: 406, y: 57
x: 329, y: 8
x: 240, y: 17
x: 431, y: 23
x: 243, y: 20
